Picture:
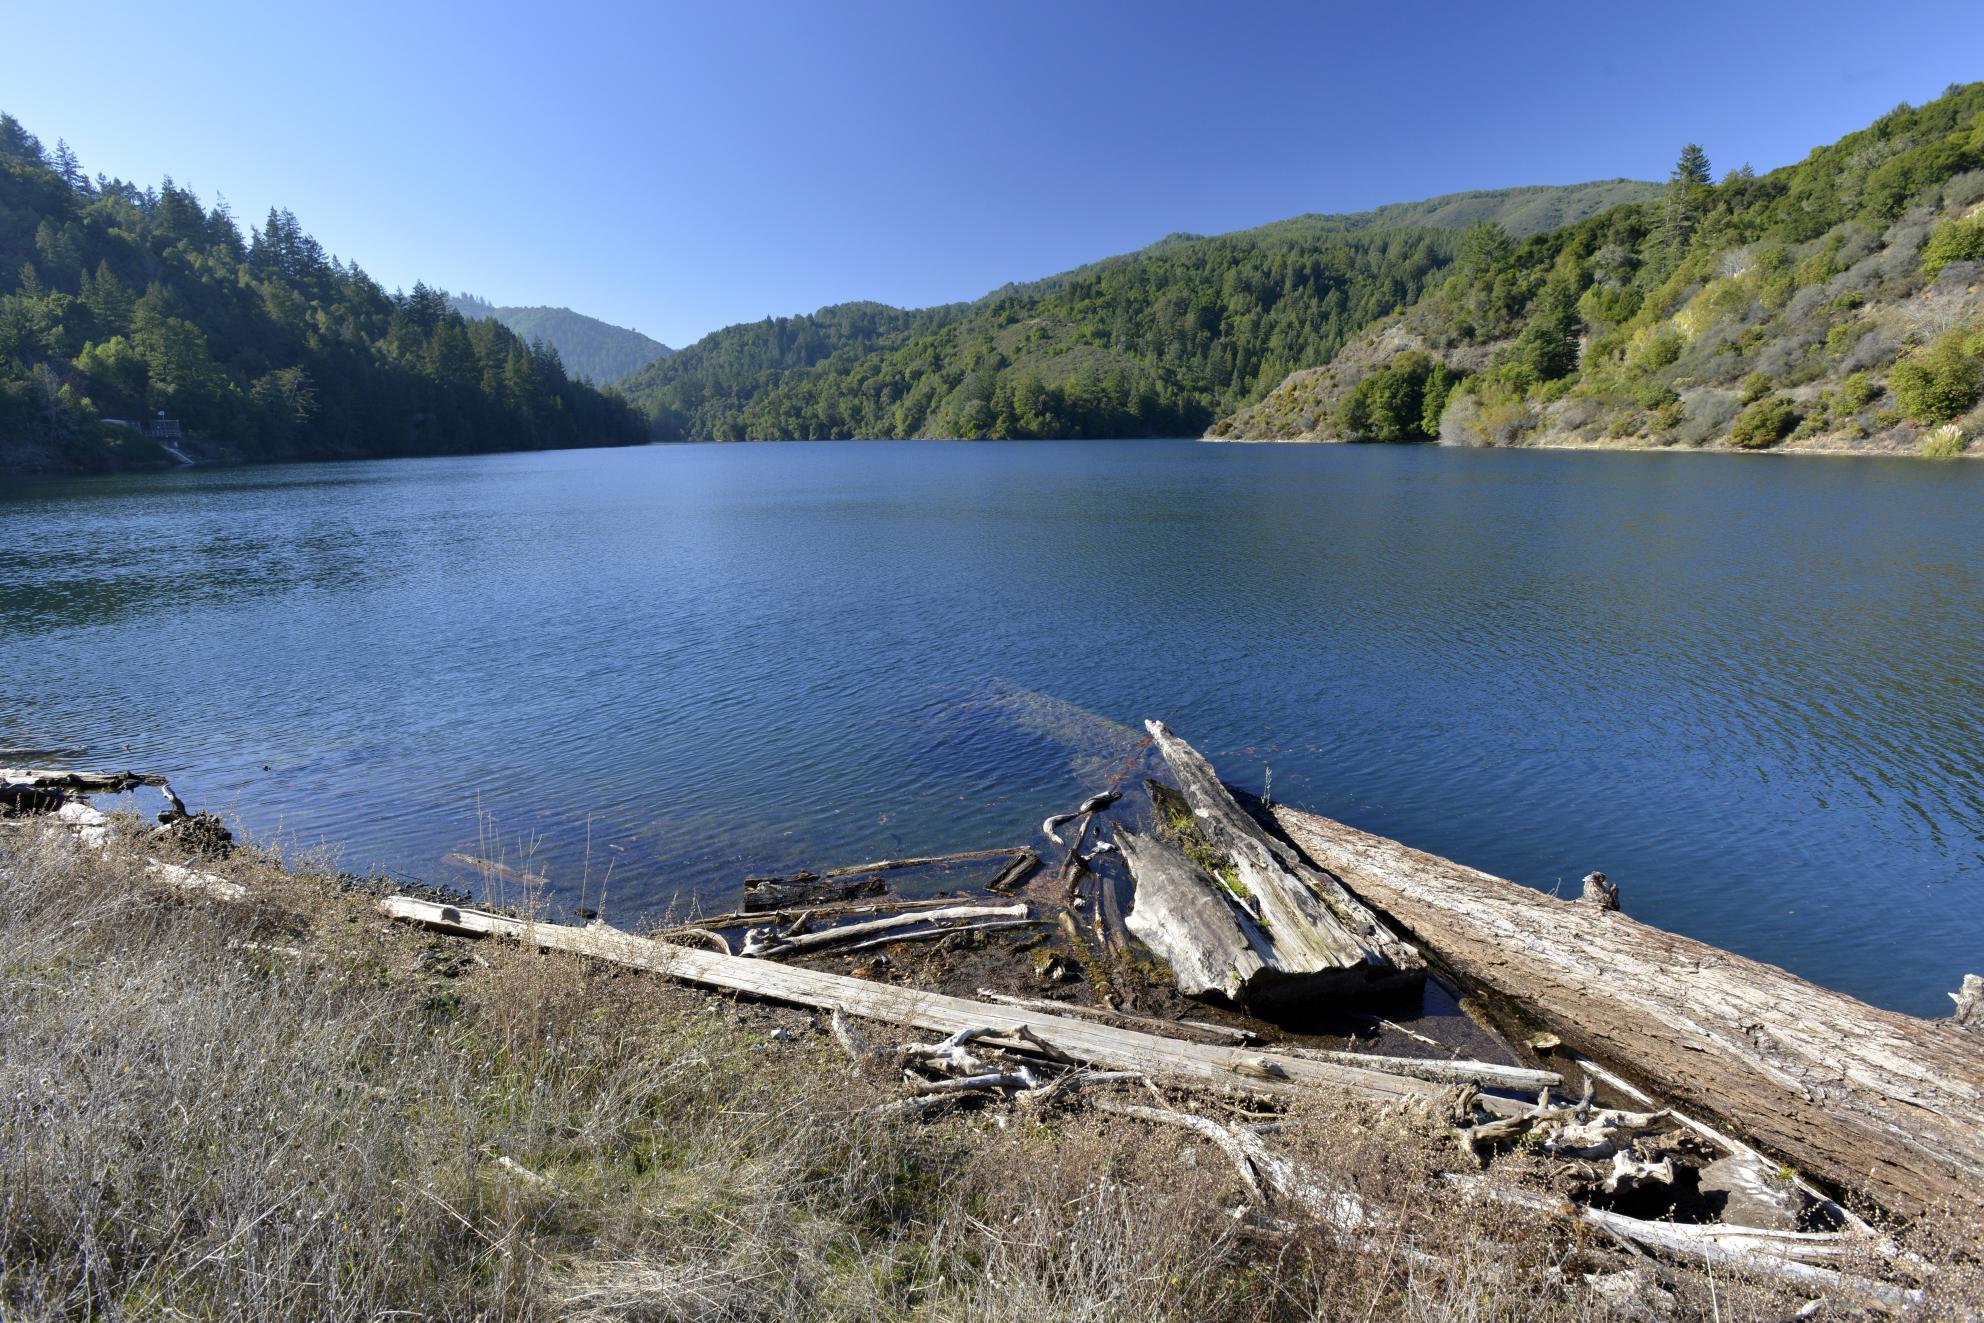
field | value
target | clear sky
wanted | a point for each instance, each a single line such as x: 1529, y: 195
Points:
x: 677, y: 168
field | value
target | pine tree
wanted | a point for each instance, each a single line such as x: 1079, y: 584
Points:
x: 1693, y: 167
x: 71, y: 169
x: 17, y: 142
x: 1685, y: 203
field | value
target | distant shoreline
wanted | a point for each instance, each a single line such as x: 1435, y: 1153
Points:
x: 1613, y: 447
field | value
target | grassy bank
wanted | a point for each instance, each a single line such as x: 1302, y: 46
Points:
x: 289, y: 1108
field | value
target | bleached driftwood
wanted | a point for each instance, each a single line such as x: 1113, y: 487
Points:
x: 1261, y: 1170
x: 82, y: 783
x: 804, y: 914
x: 1969, y: 999
x: 1601, y: 891
x: 932, y: 934
x: 1098, y: 1045
x: 1213, y: 946
x: 767, y: 941
x: 1280, y: 932
x: 1120, y: 1017
x: 1789, y: 1256
x: 1483, y: 1074
x: 1762, y: 1170
x: 1886, y: 1104
x: 1796, y: 1257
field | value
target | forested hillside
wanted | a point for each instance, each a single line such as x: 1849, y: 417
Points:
x: 1157, y: 342
x: 597, y: 351
x: 1838, y: 302
x: 123, y: 302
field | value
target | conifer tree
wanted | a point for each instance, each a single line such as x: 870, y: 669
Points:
x: 1693, y: 167
x: 71, y: 169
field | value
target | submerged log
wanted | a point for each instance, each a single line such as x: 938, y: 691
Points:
x: 1278, y: 932
x: 773, y: 893
x: 1868, y: 1100
x: 852, y: 880
x: 1017, y: 871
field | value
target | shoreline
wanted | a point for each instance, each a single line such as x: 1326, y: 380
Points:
x: 604, y: 1134
x: 1974, y: 452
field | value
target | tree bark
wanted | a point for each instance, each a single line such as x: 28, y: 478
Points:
x: 1283, y: 934
x: 1865, y: 1099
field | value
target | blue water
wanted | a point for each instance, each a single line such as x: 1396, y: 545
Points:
x: 1748, y: 689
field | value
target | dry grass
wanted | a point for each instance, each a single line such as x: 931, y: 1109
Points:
x: 290, y: 1109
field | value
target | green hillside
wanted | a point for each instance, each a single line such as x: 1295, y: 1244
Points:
x: 1156, y: 342
x: 1835, y: 303
x: 595, y: 350
x: 121, y: 302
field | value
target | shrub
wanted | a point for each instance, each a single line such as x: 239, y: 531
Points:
x: 1946, y: 442
x: 1960, y: 240
x: 1708, y: 413
x: 1942, y: 381
x: 1755, y: 387
x: 1659, y: 352
x: 1763, y: 424
x: 1858, y: 391
x: 1401, y: 401
x: 1873, y: 350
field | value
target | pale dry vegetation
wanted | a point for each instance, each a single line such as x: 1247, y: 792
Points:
x: 290, y: 1109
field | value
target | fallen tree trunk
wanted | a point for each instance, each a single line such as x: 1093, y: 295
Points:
x: 1101, y: 1045
x: 1212, y: 946
x: 1276, y: 931
x: 766, y: 941
x: 1865, y: 1099
x: 1481, y: 1074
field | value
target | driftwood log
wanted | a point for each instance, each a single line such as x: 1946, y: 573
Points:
x: 1278, y: 932
x: 769, y: 941
x: 1969, y: 999
x: 1247, y: 1071
x: 1868, y: 1100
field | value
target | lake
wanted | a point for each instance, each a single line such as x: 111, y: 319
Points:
x: 1746, y: 688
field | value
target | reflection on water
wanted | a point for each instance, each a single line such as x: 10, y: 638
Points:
x: 1747, y: 690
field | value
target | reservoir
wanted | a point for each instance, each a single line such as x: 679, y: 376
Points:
x: 1746, y: 688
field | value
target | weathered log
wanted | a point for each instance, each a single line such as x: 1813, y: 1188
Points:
x: 82, y: 783
x: 1212, y: 945
x: 1837, y: 1214
x: 895, y: 865
x: 803, y: 889
x: 1969, y: 999
x: 1120, y: 1017
x: 1015, y: 872
x: 1484, y: 1074
x: 764, y: 941
x: 1785, y: 1256
x: 931, y: 934
x: 824, y: 910
x: 1868, y: 1100
x: 1277, y: 932
x: 1601, y: 891
x: 1101, y: 1045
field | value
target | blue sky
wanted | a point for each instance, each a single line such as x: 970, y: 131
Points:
x: 681, y: 167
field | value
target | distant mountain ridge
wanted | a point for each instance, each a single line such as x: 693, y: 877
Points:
x: 1156, y: 342
x: 1834, y: 304
x: 120, y: 303
x: 586, y: 345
